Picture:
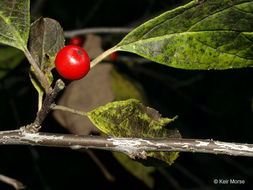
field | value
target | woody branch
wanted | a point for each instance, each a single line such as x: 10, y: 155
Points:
x: 134, y: 147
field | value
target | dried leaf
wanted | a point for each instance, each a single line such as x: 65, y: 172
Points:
x: 46, y: 40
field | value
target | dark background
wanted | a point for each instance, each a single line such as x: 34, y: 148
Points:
x: 210, y: 104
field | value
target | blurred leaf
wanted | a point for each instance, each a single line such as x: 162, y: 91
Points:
x: 14, y: 22
x: 93, y: 45
x: 46, y: 40
x: 131, y: 118
x: 96, y: 89
x: 207, y: 34
x: 136, y: 168
x: 125, y: 87
x: 9, y: 59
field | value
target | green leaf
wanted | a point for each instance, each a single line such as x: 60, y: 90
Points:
x: 9, y: 59
x: 46, y: 40
x: 130, y: 118
x: 140, y: 171
x: 14, y: 22
x: 207, y: 34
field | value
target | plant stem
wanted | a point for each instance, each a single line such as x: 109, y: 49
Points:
x: 41, y: 77
x: 103, y: 55
x: 101, y: 166
x: 130, y: 146
x: 63, y: 108
x: 45, y: 109
x: 40, y: 100
x: 46, y: 106
x: 72, y: 33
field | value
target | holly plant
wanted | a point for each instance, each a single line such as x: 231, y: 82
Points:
x: 201, y: 35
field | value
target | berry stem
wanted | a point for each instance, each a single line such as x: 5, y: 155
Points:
x: 102, y: 56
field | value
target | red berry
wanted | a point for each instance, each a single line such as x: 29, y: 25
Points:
x: 113, y: 56
x: 76, y: 40
x: 72, y: 62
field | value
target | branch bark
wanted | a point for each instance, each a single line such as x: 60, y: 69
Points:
x: 130, y: 146
x: 45, y: 109
x: 100, y: 30
x: 49, y: 100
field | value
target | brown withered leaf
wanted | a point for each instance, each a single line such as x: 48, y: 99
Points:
x: 46, y: 40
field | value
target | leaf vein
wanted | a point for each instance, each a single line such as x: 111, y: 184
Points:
x: 217, y: 12
x: 168, y: 35
x: 160, y: 24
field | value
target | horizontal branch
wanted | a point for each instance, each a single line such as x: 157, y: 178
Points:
x: 100, y: 30
x: 130, y: 146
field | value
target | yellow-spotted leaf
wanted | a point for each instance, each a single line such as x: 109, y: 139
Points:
x: 203, y: 34
x: 130, y: 118
x: 15, y: 23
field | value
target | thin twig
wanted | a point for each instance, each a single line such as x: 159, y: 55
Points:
x: 46, y: 108
x: 101, y: 166
x: 190, y: 175
x: 238, y: 165
x: 13, y: 182
x: 64, y: 108
x: 174, y: 183
x: 134, y: 147
x: 106, y: 173
x: 35, y: 158
x: 101, y: 30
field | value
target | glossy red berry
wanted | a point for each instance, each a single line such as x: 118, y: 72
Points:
x: 113, y: 56
x: 72, y: 62
x: 76, y: 40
